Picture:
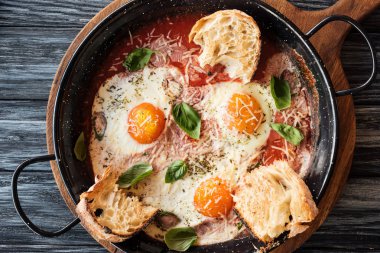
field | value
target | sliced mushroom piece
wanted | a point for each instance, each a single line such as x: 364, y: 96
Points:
x: 99, y: 124
x: 166, y: 220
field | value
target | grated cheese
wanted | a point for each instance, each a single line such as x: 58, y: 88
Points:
x: 130, y: 37
x: 281, y: 149
x: 146, y: 120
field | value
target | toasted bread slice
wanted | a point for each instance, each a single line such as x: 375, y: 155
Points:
x: 274, y: 199
x: 110, y: 213
x: 231, y: 38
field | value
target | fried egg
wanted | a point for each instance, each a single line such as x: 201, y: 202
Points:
x: 130, y: 112
x: 243, y: 114
x: 201, y: 196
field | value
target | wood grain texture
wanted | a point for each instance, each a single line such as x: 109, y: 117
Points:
x: 329, y: 49
x: 28, y: 132
x: 34, y: 36
x: 29, y: 58
x: 353, y: 210
x: 45, y: 13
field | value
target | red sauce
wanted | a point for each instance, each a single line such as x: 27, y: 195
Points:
x: 269, y: 47
x: 116, y: 56
x: 272, y: 154
x: 275, y: 144
x: 274, y: 140
x: 174, y: 26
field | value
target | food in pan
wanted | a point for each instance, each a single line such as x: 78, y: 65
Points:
x: 131, y: 111
x: 201, y: 133
x: 272, y: 199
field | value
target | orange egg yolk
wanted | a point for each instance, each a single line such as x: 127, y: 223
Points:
x: 146, y: 123
x: 244, y: 113
x: 212, y: 198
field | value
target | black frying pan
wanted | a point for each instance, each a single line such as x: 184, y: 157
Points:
x: 73, y: 103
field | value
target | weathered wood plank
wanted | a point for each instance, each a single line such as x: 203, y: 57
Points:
x: 356, y: 61
x: 30, y: 57
x: 71, y: 13
x: 41, y: 199
x: 366, y: 162
x: 28, y: 60
x: 23, y: 110
x: 62, y: 13
x: 19, y: 141
x: 313, y: 5
x: 37, y: 248
x: 354, y: 223
x: 367, y: 124
x: 22, y: 124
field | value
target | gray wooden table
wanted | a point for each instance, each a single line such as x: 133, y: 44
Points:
x: 34, y: 35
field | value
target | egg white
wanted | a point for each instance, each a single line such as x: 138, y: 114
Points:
x: 117, y: 97
x: 238, y: 146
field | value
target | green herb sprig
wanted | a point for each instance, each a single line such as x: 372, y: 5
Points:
x: 134, y: 175
x: 187, y: 119
x: 176, y: 171
x: 280, y: 92
x: 180, y: 239
x: 138, y: 59
x: 289, y: 133
x: 80, y: 149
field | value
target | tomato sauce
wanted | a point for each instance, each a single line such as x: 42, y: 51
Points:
x: 272, y: 154
x: 125, y: 43
x: 175, y: 26
x: 275, y: 145
x: 172, y: 27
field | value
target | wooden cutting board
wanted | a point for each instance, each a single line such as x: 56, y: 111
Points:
x: 328, y: 43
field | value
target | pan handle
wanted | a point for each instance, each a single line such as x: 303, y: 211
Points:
x: 356, y: 25
x: 18, y: 207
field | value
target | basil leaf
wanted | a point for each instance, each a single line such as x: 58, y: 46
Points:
x: 175, y: 171
x: 289, y: 133
x: 134, y: 175
x: 166, y: 220
x: 180, y: 239
x: 187, y: 119
x: 80, y: 149
x: 280, y: 92
x: 239, y: 225
x: 138, y: 58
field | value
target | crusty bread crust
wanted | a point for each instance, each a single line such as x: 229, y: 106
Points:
x: 274, y: 199
x: 108, y: 213
x: 231, y: 38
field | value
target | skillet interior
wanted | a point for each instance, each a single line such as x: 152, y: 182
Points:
x: 74, y: 100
